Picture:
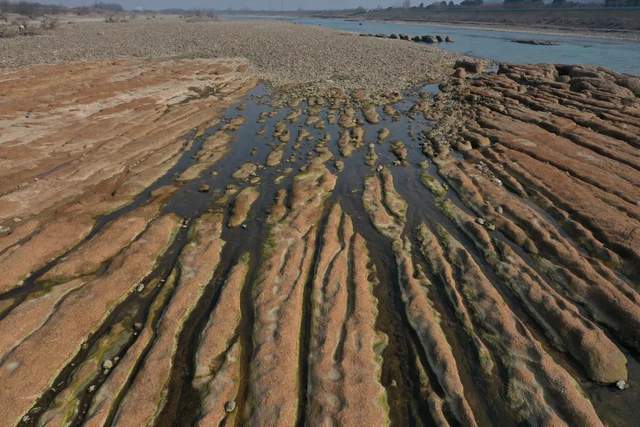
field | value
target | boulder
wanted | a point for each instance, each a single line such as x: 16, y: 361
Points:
x: 580, y: 84
x: 631, y: 83
x: 579, y: 71
x: 470, y: 66
x: 460, y: 73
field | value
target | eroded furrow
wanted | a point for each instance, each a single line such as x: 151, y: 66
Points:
x: 217, y: 365
x: 26, y: 366
x: 147, y: 394
x: 288, y: 253
x: 387, y: 211
x: 343, y: 336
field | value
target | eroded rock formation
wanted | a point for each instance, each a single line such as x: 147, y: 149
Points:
x: 197, y: 271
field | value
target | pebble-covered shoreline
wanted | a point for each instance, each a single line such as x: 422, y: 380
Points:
x: 282, y: 54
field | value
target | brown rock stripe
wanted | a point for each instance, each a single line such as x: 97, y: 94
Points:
x: 278, y: 298
x: 148, y: 393
x: 28, y: 370
x: 217, y: 365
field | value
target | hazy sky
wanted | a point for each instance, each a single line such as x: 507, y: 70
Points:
x: 237, y: 4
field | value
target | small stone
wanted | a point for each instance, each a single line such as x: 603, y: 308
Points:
x: 499, y: 210
x: 107, y: 364
x: 622, y: 385
x: 204, y: 188
x: 480, y: 221
x: 140, y: 287
x: 92, y: 388
x: 460, y: 73
x: 12, y: 366
x: 230, y: 406
x: 244, y: 226
x: 4, y: 231
x: 137, y: 326
x: 490, y: 226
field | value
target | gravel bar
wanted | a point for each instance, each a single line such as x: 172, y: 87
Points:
x: 281, y: 53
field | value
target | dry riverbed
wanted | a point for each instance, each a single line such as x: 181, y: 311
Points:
x: 284, y: 54
x: 183, y: 245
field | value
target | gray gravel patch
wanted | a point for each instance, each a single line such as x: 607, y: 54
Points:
x: 281, y: 53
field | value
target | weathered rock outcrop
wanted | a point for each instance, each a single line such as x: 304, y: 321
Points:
x: 278, y: 297
x: 342, y: 300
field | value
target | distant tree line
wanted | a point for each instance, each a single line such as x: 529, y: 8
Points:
x: 35, y: 9
x: 508, y: 3
x: 569, y: 3
x: 442, y: 4
x: 406, y: 4
x: 31, y: 9
x: 471, y: 3
x: 108, y: 7
x: 622, y: 3
x: 526, y: 3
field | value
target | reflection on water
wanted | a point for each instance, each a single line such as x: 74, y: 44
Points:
x: 620, y: 56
